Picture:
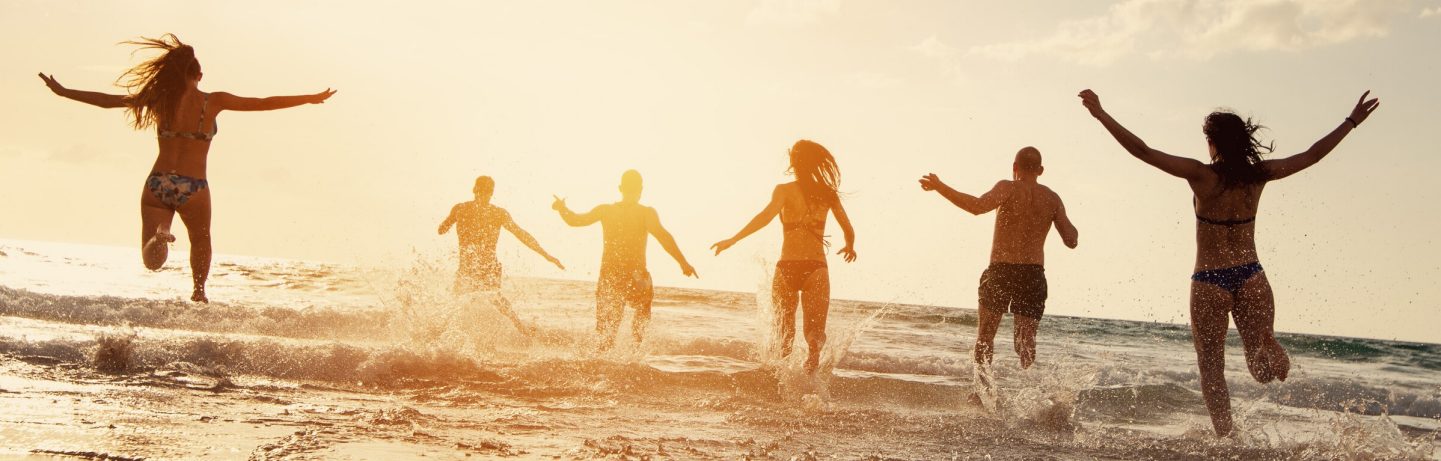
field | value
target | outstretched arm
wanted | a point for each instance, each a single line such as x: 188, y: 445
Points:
x: 975, y: 205
x: 1068, y: 232
x: 449, y: 221
x: 1283, y: 167
x: 577, y: 220
x: 652, y: 225
x: 757, y: 223
x: 227, y: 101
x: 97, y: 99
x: 1181, y: 167
x: 849, y: 251
x: 529, y: 241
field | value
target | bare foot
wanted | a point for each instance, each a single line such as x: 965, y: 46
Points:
x: 1280, y: 362
x: 199, y: 296
x: 164, y: 236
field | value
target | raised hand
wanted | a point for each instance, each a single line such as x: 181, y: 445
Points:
x: 722, y: 246
x: 931, y: 182
x: 50, y: 82
x: 1092, y: 102
x: 1364, y: 108
x: 322, y: 96
x: 848, y: 253
x: 558, y: 204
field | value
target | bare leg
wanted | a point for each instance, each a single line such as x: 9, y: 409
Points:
x: 155, y: 236
x: 195, y: 213
x: 815, y: 305
x: 1210, y: 306
x: 784, y: 301
x: 1255, y: 319
x: 640, y: 320
x: 986, y: 326
x: 1025, y: 338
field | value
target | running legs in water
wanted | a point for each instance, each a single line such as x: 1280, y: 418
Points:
x: 814, y: 300
x: 1254, y: 311
x: 1024, y: 336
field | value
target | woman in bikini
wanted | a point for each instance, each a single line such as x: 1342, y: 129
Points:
x: 163, y: 92
x: 1228, y: 281
x: 801, y: 274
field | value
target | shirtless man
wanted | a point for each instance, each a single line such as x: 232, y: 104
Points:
x: 624, y: 279
x: 477, y: 224
x: 1016, y: 279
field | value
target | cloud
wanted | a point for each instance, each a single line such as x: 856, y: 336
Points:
x: 1203, y: 29
x: 947, y: 56
x: 791, y: 12
x: 1429, y: 12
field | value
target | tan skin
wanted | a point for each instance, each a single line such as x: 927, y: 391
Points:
x: 626, y: 226
x: 1218, y: 247
x: 185, y: 157
x: 477, y: 226
x: 788, y: 203
x: 1026, y: 213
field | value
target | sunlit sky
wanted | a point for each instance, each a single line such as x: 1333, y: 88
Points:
x: 704, y: 98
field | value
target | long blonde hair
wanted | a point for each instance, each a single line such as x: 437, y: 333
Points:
x: 816, y: 171
x: 155, y: 86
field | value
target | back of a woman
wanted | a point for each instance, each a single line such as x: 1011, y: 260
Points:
x: 1229, y: 281
x: 164, y: 94
x: 801, y: 275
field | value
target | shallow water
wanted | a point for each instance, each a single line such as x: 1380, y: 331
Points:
x: 302, y: 360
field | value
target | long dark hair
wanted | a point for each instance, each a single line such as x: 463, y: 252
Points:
x: 1238, y: 152
x: 816, y: 171
x: 155, y: 86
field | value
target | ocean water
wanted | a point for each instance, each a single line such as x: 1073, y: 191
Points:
x: 303, y: 360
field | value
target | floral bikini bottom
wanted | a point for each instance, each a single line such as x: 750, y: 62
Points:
x: 172, y: 189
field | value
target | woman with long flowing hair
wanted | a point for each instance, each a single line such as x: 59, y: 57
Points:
x: 1228, y: 281
x: 801, y: 274
x: 164, y: 93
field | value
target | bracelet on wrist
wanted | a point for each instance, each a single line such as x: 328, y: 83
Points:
x: 1353, y: 122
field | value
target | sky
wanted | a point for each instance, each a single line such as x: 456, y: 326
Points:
x: 704, y: 98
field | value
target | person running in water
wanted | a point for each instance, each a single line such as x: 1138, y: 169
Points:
x: 624, y: 280
x: 801, y: 274
x: 1228, y: 280
x: 477, y: 227
x: 164, y: 93
x: 1016, y: 279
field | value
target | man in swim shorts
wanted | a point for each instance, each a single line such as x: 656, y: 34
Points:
x: 624, y: 280
x: 1016, y: 278
x: 477, y: 225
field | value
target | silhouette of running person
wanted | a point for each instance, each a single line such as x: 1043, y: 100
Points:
x: 164, y: 93
x: 1228, y: 280
x: 1016, y: 279
x: 624, y: 279
x: 801, y: 274
x: 477, y: 227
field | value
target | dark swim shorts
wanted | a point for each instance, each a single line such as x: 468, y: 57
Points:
x: 1018, y: 288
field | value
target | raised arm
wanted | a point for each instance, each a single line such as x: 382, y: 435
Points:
x: 652, y: 225
x: 975, y: 205
x: 528, y: 240
x: 227, y: 101
x: 577, y: 220
x: 449, y: 221
x: 1283, y: 167
x: 757, y: 223
x: 97, y: 99
x: 1068, y: 232
x: 1181, y: 167
x: 849, y: 251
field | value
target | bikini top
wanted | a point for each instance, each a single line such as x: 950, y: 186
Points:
x: 1222, y: 222
x: 1225, y: 222
x: 196, y: 135
x: 816, y: 228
